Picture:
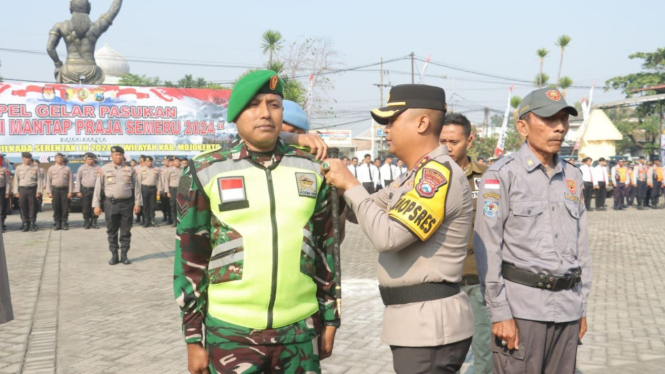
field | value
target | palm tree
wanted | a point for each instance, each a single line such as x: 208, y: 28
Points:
x: 541, y: 53
x: 515, y: 102
x: 565, y: 82
x: 562, y: 42
x: 541, y: 80
x: 271, y: 43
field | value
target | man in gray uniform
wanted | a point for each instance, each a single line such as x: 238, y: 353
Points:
x: 42, y: 176
x: 150, y: 181
x: 172, y: 179
x: 5, y: 191
x: 27, y: 188
x: 420, y: 224
x: 123, y: 196
x: 59, y: 187
x: 531, y: 245
x: 86, y: 177
x: 137, y: 170
x: 166, y: 202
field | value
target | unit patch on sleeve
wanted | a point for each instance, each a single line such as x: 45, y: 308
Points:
x: 306, y: 184
x: 492, y: 184
x: 491, y: 209
x: 422, y: 209
x: 492, y: 195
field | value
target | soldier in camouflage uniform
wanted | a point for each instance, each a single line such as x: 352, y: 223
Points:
x: 257, y: 271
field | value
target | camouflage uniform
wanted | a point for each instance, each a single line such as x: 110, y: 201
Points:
x: 232, y: 348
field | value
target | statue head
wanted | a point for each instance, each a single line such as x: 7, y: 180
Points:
x: 80, y: 6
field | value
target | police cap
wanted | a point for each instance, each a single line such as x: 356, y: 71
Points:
x: 118, y: 149
x: 545, y: 102
x: 407, y: 96
x: 148, y: 158
x: 91, y: 155
x: 26, y: 154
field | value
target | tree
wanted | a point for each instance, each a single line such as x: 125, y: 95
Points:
x: 564, y: 83
x: 542, y: 53
x: 515, y: 102
x: 541, y: 80
x: 271, y: 43
x: 562, y: 42
x: 645, y: 118
x: 139, y: 80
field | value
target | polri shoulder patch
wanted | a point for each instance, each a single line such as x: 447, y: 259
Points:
x: 491, y: 209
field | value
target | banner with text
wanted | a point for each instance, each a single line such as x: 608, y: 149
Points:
x: 50, y: 118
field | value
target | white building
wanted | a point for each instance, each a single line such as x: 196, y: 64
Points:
x: 113, y: 64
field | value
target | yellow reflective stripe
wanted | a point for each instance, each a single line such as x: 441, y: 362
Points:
x: 397, y: 103
x: 384, y: 114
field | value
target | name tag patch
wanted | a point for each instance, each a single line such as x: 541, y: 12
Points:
x: 572, y: 197
x: 492, y: 195
x: 306, y: 184
x: 491, y: 209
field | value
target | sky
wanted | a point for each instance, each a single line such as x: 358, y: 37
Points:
x: 498, y: 38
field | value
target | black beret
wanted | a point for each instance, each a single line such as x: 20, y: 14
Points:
x: 117, y: 148
x: 90, y: 154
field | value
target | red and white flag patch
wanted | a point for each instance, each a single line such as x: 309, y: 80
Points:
x: 232, y: 189
x: 491, y: 184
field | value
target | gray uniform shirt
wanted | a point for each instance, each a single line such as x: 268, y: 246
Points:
x: 27, y: 176
x: 538, y: 223
x: 150, y: 176
x: 5, y: 179
x: 86, y: 177
x: 172, y: 178
x: 59, y: 176
x: 118, y: 182
x: 404, y: 259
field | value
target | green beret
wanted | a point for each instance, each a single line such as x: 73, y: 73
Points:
x: 261, y: 81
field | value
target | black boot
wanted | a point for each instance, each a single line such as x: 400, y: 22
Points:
x: 25, y: 227
x: 86, y: 223
x: 153, y: 223
x: 57, y: 225
x: 124, y: 259
x: 65, y: 225
x: 94, y: 223
x: 114, y: 258
x: 165, y: 218
x: 33, y: 226
x: 138, y: 219
x: 4, y: 227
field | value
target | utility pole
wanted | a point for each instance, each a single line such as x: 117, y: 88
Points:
x: 487, y: 117
x: 413, y: 79
x: 381, y: 85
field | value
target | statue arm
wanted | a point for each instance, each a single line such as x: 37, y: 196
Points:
x: 106, y: 20
x: 53, y: 41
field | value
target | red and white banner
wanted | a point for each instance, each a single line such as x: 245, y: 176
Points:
x: 72, y: 119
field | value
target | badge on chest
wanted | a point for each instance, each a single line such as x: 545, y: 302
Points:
x: 306, y: 184
x: 232, y: 193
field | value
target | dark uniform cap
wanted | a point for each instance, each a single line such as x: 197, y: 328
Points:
x: 545, y: 102
x: 176, y: 158
x: 642, y: 158
x: 26, y: 154
x: 59, y: 154
x: 406, y: 96
x: 170, y: 158
x: 90, y: 154
x: 117, y: 148
x: 148, y: 158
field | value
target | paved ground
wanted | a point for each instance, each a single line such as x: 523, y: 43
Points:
x: 75, y: 314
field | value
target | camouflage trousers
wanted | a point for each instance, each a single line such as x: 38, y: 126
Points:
x: 228, y: 357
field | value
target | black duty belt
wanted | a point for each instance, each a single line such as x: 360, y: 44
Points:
x: 87, y: 188
x: 418, y: 293
x: 544, y: 281
x: 146, y: 186
x: 113, y: 200
x: 59, y: 188
x: 470, y: 280
x: 27, y: 187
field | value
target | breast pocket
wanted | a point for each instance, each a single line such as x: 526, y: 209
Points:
x: 571, y: 221
x: 110, y: 179
x: 526, y: 221
x: 85, y: 174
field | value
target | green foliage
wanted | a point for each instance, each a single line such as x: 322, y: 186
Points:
x: 271, y: 42
x: 641, y: 126
x: 485, y: 145
x: 564, y: 83
x: 186, y: 82
x: 542, y: 53
x: 541, y: 80
x: 139, y: 80
x: 563, y: 41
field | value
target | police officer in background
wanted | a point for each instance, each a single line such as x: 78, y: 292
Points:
x: 122, y: 192
x: 532, y: 246
x: 172, y: 180
x: 640, y: 172
x: 420, y: 225
x: 137, y: 169
x: 42, y: 176
x: 5, y: 191
x: 166, y: 202
x: 600, y: 177
x: 456, y: 135
x: 619, y: 179
x: 28, y: 188
x: 150, y: 181
x: 587, y: 178
x: 388, y: 172
x: 86, y: 177
x: 59, y: 187
x: 656, y: 179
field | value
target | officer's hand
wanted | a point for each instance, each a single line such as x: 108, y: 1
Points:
x: 38, y: 195
x: 79, y: 194
x: 137, y: 209
x: 168, y: 194
x: 197, y: 358
x: 69, y: 195
x: 582, y: 327
x: 16, y: 195
x: 98, y: 211
x: 326, y: 342
x: 507, y: 330
x: 50, y: 195
x: 595, y: 187
x: 338, y: 175
x: 315, y: 144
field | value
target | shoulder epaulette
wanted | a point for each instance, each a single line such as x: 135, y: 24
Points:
x: 505, y: 160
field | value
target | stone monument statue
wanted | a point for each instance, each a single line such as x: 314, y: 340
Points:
x: 81, y: 35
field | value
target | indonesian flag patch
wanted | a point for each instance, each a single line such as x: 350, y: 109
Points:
x: 232, y: 189
x: 491, y: 184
